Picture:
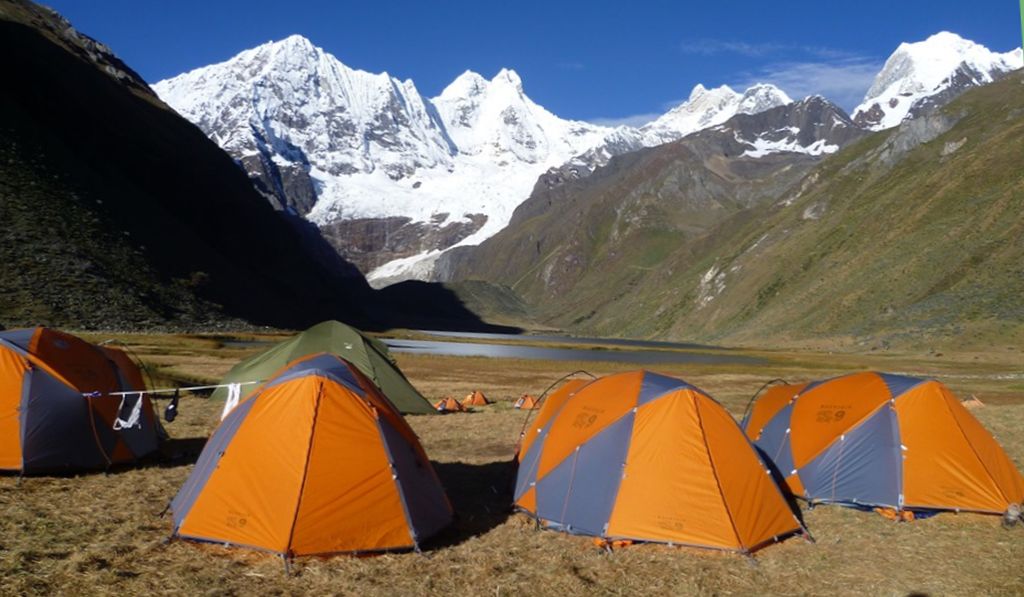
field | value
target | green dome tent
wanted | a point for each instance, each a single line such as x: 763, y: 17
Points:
x: 369, y: 355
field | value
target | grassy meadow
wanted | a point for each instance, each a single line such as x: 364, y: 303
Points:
x: 102, y: 533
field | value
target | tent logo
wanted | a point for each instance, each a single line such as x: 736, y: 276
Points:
x: 670, y: 524
x: 584, y: 420
x: 235, y: 520
x: 831, y: 414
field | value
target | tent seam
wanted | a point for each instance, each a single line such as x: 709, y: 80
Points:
x: 778, y: 490
x: 831, y: 443
x: 305, y: 469
x: 895, y: 422
x: 599, y: 432
x: 714, y: 470
x: 991, y: 477
x: 398, y: 486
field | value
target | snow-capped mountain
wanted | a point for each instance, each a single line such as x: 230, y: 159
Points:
x: 704, y: 109
x: 394, y: 179
x: 709, y: 107
x: 289, y: 108
x: 812, y: 126
x: 920, y: 76
x: 391, y: 177
x: 339, y: 144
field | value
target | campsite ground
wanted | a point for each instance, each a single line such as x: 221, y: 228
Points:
x: 102, y: 534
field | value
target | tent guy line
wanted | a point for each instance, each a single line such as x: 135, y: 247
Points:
x: 171, y: 390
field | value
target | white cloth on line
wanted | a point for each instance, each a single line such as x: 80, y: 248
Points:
x: 134, y: 413
x: 234, y: 394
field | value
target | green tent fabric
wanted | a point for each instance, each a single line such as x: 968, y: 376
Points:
x: 369, y: 355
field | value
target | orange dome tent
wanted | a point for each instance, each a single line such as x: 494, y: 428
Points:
x: 475, y: 398
x: 46, y: 422
x: 315, y: 462
x: 639, y: 456
x: 526, y: 402
x: 876, y: 440
x: 448, y: 405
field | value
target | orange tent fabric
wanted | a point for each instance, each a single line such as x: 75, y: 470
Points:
x: 769, y: 403
x: 639, y: 456
x: 46, y: 422
x: 877, y: 440
x: 316, y: 462
x: 475, y: 398
x: 526, y: 402
x: 448, y: 404
x: 548, y: 408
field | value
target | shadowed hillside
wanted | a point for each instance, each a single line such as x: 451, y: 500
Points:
x: 118, y: 213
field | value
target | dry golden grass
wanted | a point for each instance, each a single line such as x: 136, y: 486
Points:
x: 98, y: 534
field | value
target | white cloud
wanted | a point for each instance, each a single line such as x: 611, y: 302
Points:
x: 712, y: 47
x: 800, y: 70
x: 843, y: 81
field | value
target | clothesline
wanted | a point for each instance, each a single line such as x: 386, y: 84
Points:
x: 169, y: 390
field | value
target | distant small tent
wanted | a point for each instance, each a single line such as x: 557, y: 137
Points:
x: 526, y: 402
x: 449, y: 405
x: 48, y: 425
x: 315, y: 462
x: 475, y: 398
x: 369, y: 355
x: 891, y: 442
x: 638, y: 456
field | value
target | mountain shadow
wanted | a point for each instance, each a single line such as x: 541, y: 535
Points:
x: 430, y: 306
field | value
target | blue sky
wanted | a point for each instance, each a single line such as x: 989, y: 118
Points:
x: 600, y: 61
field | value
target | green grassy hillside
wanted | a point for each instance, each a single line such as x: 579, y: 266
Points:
x: 897, y: 238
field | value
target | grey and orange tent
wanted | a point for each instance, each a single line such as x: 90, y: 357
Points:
x: 314, y: 462
x: 475, y: 398
x: 449, y: 405
x: 888, y: 442
x: 47, y: 421
x: 638, y: 456
x: 526, y: 402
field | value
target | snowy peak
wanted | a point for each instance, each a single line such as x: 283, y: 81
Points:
x: 705, y: 108
x: 496, y: 118
x: 918, y: 76
x: 710, y: 107
x: 467, y: 85
x: 289, y: 101
x: 762, y: 97
x: 509, y: 77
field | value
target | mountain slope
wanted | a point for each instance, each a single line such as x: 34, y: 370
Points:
x: 908, y: 235
x: 921, y: 76
x: 703, y: 109
x: 576, y: 244
x: 119, y: 213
